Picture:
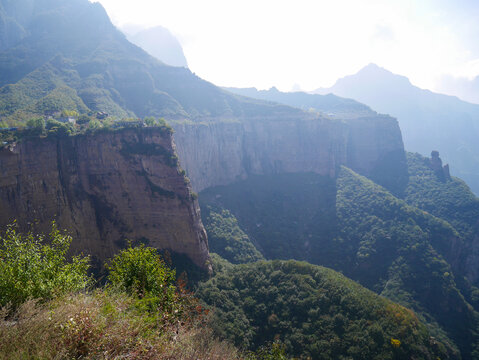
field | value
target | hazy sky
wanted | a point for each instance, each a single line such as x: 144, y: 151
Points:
x: 311, y: 43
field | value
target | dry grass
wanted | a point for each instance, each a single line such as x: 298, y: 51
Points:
x: 103, y: 326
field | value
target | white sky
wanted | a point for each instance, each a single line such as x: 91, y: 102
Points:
x: 311, y: 43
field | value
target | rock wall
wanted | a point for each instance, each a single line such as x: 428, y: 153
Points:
x: 105, y: 188
x: 218, y: 153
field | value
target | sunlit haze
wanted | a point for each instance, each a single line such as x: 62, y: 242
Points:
x: 309, y: 43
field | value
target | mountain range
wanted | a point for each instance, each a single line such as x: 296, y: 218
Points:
x: 428, y: 121
x: 320, y: 178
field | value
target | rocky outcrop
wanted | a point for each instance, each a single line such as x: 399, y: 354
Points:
x: 105, y: 188
x: 221, y: 152
x: 435, y: 163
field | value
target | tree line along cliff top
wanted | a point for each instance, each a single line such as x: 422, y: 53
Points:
x: 70, y: 123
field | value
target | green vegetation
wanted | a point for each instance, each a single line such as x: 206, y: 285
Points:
x: 48, y: 309
x: 143, y: 313
x: 74, y: 59
x: 106, y: 325
x: 226, y: 238
x: 450, y: 200
x: 60, y: 126
x: 35, y: 267
x: 315, y: 312
x: 288, y: 216
x: 141, y: 271
x: 354, y: 226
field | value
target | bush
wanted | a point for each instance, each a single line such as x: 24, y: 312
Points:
x: 36, y: 125
x: 94, y: 124
x: 32, y: 267
x: 141, y: 271
x: 150, y: 121
x: 58, y: 128
x: 83, y: 119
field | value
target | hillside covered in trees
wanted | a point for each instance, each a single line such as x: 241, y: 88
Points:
x: 314, y: 257
x: 354, y: 226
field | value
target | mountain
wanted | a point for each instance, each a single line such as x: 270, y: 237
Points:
x: 315, y: 312
x: 73, y: 58
x: 70, y: 57
x: 330, y: 105
x: 160, y: 43
x: 351, y: 225
x: 428, y: 121
x: 299, y: 184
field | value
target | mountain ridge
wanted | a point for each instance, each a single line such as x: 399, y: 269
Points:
x: 428, y: 121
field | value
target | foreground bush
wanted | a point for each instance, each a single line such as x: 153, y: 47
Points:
x: 144, y: 313
x: 141, y: 271
x: 35, y: 267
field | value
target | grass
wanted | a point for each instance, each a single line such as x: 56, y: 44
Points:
x: 103, y: 325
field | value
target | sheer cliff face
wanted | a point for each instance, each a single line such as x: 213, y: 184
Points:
x: 219, y: 153
x: 105, y: 188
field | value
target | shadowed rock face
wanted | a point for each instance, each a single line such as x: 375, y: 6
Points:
x: 106, y: 189
x: 219, y: 153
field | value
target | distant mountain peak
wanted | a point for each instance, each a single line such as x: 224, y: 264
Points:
x: 374, y: 68
x: 160, y: 43
x: 428, y: 120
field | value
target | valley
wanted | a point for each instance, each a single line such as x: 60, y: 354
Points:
x: 281, y: 225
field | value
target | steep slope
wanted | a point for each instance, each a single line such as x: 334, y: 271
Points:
x: 451, y: 200
x: 160, y: 43
x: 427, y: 120
x: 220, y: 153
x: 73, y: 58
x: 316, y: 312
x: 226, y: 238
x: 73, y: 44
x: 352, y: 225
x: 106, y: 188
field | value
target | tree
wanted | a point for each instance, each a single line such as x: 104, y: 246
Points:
x: 36, y: 267
x: 140, y: 270
x: 83, y: 119
x: 150, y: 121
x: 36, y: 125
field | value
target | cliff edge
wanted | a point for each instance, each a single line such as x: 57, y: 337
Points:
x: 221, y: 152
x: 106, y: 188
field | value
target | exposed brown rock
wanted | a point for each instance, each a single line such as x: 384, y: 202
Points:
x: 105, y: 188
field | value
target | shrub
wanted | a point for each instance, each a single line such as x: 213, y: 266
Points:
x: 150, y: 121
x: 36, y: 126
x: 141, y: 271
x: 94, y: 124
x: 58, y: 128
x: 35, y: 267
x: 83, y: 119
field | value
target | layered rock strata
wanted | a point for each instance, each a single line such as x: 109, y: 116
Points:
x: 221, y: 152
x: 106, y: 188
